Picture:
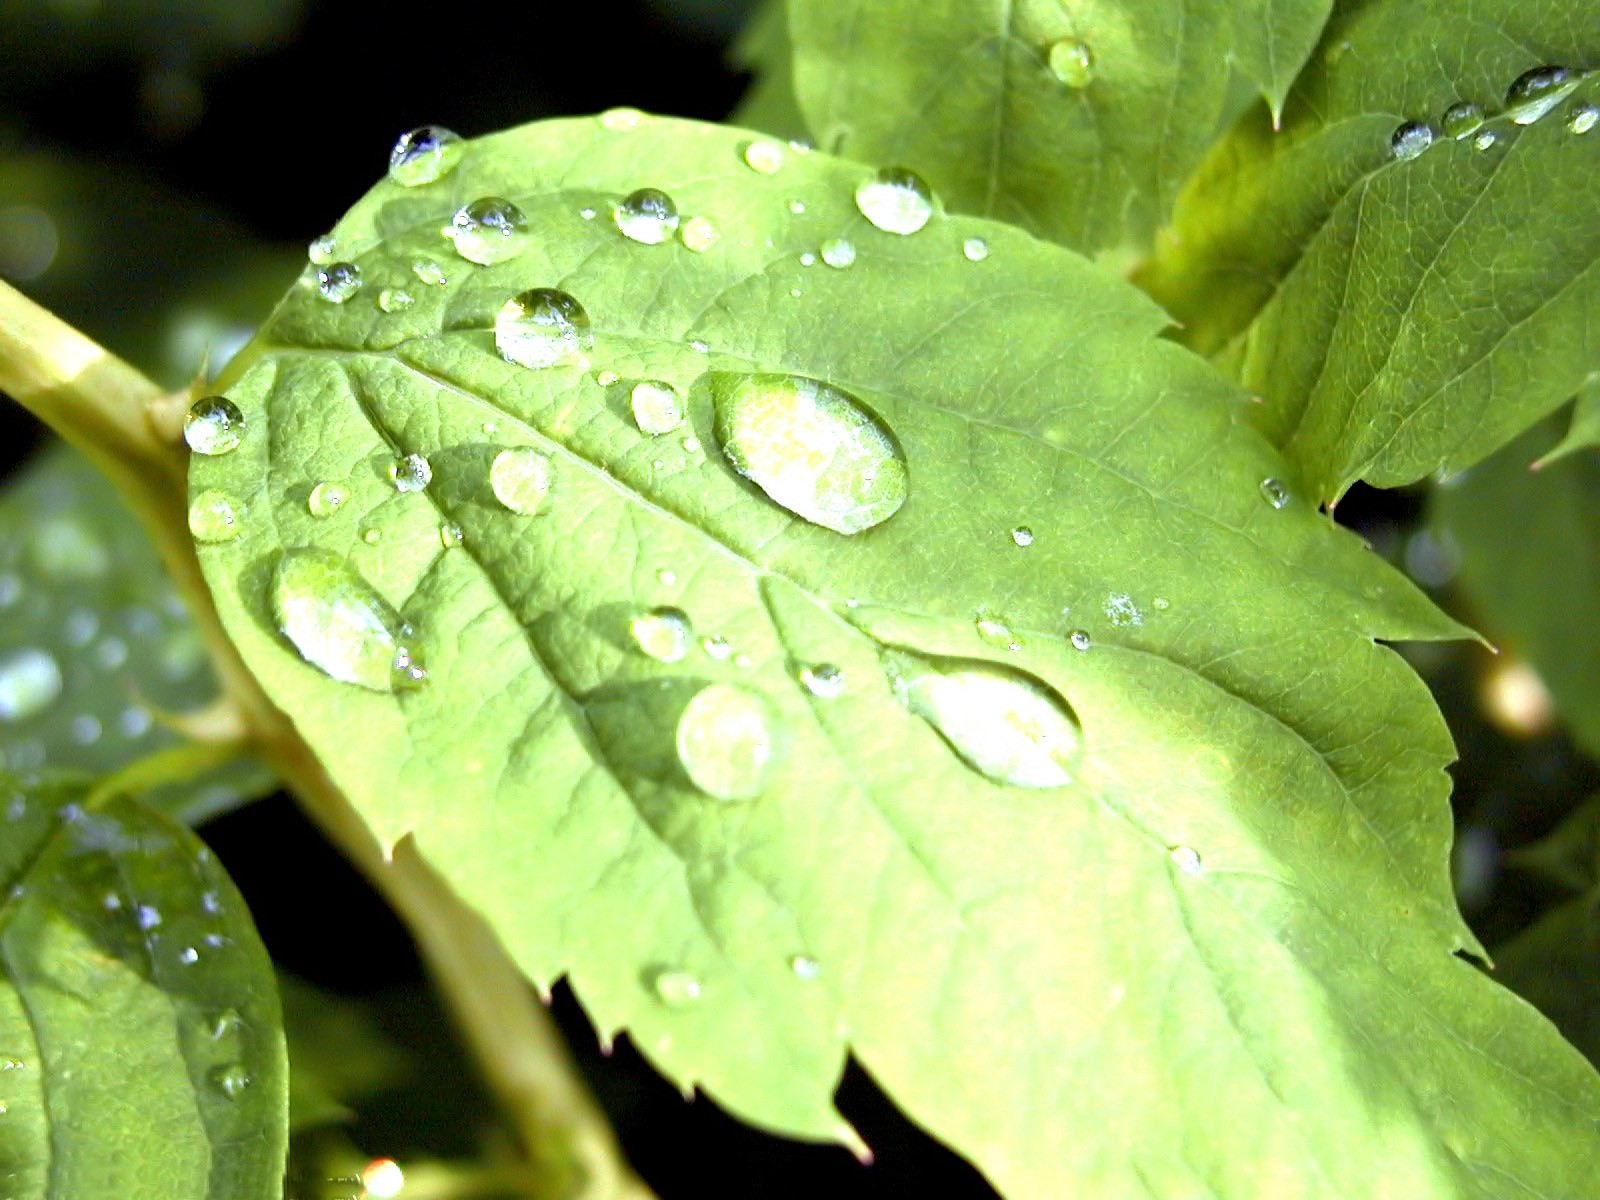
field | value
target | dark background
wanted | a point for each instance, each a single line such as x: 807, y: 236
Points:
x: 183, y: 154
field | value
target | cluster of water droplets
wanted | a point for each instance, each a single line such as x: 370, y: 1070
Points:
x: 1532, y: 96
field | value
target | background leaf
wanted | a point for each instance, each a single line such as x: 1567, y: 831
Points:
x: 763, y: 50
x: 1408, y: 316
x: 1583, y: 431
x: 1222, y: 953
x: 142, y: 1046
x: 967, y: 95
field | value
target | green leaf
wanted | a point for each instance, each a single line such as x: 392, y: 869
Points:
x: 1583, y: 432
x: 94, y: 642
x: 973, y: 96
x: 1569, y: 855
x: 141, y: 1051
x: 1221, y: 953
x: 1530, y: 565
x: 338, y: 1054
x: 1408, y: 315
x: 763, y: 50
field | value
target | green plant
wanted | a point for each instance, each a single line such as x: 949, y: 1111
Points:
x: 817, y: 610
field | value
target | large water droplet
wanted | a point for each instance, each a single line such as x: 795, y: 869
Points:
x: 727, y: 743
x: 543, y: 327
x: 1410, y: 140
x: 326, y: 499
x: 1275, y: 492
x: 656, y: 407
x: 764, y: 157
x: 337, y: 282
x: 215, y: 516
x: 1461, y: 120
x: 30, y: 682
x: 489, y: 230
x: 823, y: 680
x: 838, y: 252
x: 1536, y: 92
x: 521, y: 478
x: 676, y: 988
x: 213, y: 425
x: 699, y: 234
x: 410, y: 473
x: 1072, y: 62
x: 647, y: 215
x: 663, y: 634
x: 812, y: 448
x: 425, y: 154
x: 1008, y: 726
x: 339, y: 623
x: 1584, y: 118
x: 895, y: 200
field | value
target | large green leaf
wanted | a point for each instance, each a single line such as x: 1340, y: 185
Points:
x: 1414, y: 314
x: 967, y: 95
x: 1530, y: 564
x: 141, y: 1051
x: 1220, y: 955
x: 763, y: 50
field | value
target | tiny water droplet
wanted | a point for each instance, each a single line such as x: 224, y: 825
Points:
x: 676, y: 988
x: 1072, y: 62
x: 656, y: 406
x: 541, y: 328
x: 1022, y: 536
x: 975, y: 249
x: 699, y: 346
x: 489, y: 230
x: 429, y: 272
x: 1121, y: 611
x: 588, y: 212
x: 393, y: 300
x: 1410, y: 140
x: 322, y: 250
x: 337, y: 282
x: 717, y: 647
x: 1534, y: 93
x: 727, y: 742
x: 214, y: 425
x: 1080, y: 639
x: 326, y: 499
x: 30, y: 682
x: 698, y: 234
x: 691, y: 445
x: 450, y: 535
x: 427, y: 153
x: 647, y: 216
x: 797, y: 207
x: 1275, y: 492
x: 371, y: 536
x: 521, y: 478
x: 823, y: 680
x: 215, y: 516
x: 1584, y: 118
x: 667, y: 577
x: 1484, y: 140
x: 620, y: 120
x: 147, y: 916
x: 85, y: 729
x: 223, y: 1022
x: 410, y: 473
x: 838, y: 252
x: 339, y: 623
x: 188, y: 956
x: 805, y: 967
x: 992, y: 628
x: 1186, y: 859
x: 895, y: 200
x: 231, y: 1080
x: 764, y: 157
x: 812, y: 448
x: 663, y: 634
x: 1461, y: 120
x: 606, y: 377
x: 1161, y: 603
x: 808, y: 259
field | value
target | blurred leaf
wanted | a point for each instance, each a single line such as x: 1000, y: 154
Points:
x: 763, y: 51
x: 338, y: 1055
x: 141, y: 1051
x: 1583, y: 433
x: 1555, y: 962
x: 94, y: 641
x: 1570, y: 855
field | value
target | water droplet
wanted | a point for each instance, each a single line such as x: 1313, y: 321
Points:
x: 606, y: 378
x: 698, y: 234
x: 223, y: 1023
x: 215, y: 516
x: 1022, y: 536
x: 1072, y: 62
x: 814, y: 449
x: 663, y: 634
x: 656, y: 407
x: 992, y: 628
x: 1484, y: 140
x: 1121, y: 611
x: 322, y: 250
x: 808, y: 259
x: 667, y: 577
x: 450, y: 535
x: 213, y: 425
x: 895, y: 200
x: 231, y: 1080
x: 975, y: 249
x: 1584, y: 118
x: 339, y: 623
x: 648, y: 216
x: 543, y: 327
x: 521, y: 478
x: 1536, y: 92
x: 727, y: 743
x: 371, y: 536
x: 410, y: 473
x: 805, y: 967
x: 134, y: 722
x: 1186, y: 859
x: 1276, y: 493
x: 30, y: 682
x: 489, y: 230
x: 147, y: 916
x: 188, y: 956
x: 1161, y: 603
x: 838, y: 252
x: 717, y: 647
x: 1461, y: 120
x: 764, y: 157
x: 1080, y: 639
x: 326, y: 499
x: 425, y: 154
x: 1410, y: 140
x: 676, y: 988
x: 429, y: 272
x: 620, y: 120
x: 1008, y: 726
x: 823, y: 680
x: 337, y: 282
x: 393, y: 300
x: 699, y: 346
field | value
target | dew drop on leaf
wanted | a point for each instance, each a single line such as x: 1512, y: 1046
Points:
x: 223, y: 1023
x: 410, y: 473
x: 1534, y: 93
x: 895, y: 200
x: 1584, y: 118
x: 521, y: 478
x: 322, y: 250
x: 1186, y: 859
x: 812, y: 448
x: 676, y: 988
x: 993, y: 629
x: 1275, y: 492
x: 425, y: 154
x: 337, y: 282
x: 699, y: 234
x: 213, y: 425
x: 656, y: 407
x: 647, y: 216
x: 451, y: 535
x: 1008, y: 726
x: 30, y: 682
x: 543, y: 327
x: 1461, y: 120
x: 215, y: 516
x: 727, y: 742
x: 231, y: 1080
x: 717, y: 647
x: 805, y: 967
x: 663, y: 634
x: 822, y: 680
x: 429, y: 272
x: 620, y: 120
x: 339, y: 623
x: 1022, y: 536
x: 326, y: 499
x: 393, y: 300
x: 975, y: 249
x: 1410, y: 140
x: 1484, y: 140
x: 764, y: 157
x: 1079, y: 639
x: 489, y: 230
x: 1072, y: 62
x: 838, y: 252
